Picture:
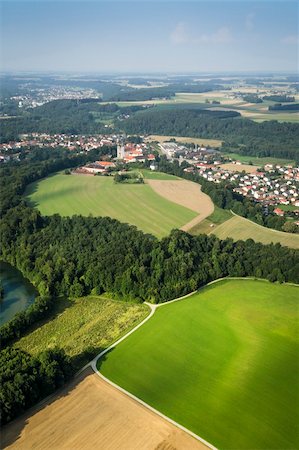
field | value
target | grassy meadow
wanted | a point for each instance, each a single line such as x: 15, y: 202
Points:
x: 84, y: 326
x: 218, y: 217
x: 223, y: 363
x: 153, y: 175
x: 99, y: 196
x: 239, y: 228
x: 259, y: 161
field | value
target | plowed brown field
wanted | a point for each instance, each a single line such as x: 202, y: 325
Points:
x: 91, y: 414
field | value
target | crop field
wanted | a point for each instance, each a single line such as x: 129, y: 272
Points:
x: 185, y: 193
x: 240, y: 228
x: 239, y: 167
x: 138, y: 205
x: 185, y: 140
x: 209, y: 224
x: 90, y: 414
x: 84, y: 326
x: 258, y: 161
x: 255, y: 111
x: 223, y: 363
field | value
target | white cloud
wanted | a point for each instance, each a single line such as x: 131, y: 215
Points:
x: 181, y: 35
x: 291, y: 39
x: 249, y: 21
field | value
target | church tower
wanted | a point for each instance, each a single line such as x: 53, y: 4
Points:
x: 120, y: 151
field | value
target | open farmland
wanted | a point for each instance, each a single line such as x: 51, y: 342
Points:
x: 138, y: 205
x: 185, y: 193
x: 240, y: 228
x: 223, y: 359
x: 213, y: 220
x: 258, y: 161
x: 255, y: 111
x: 184, y: 140
x: 83, y: 327
x: 90, y: 414
x: 239, y: 167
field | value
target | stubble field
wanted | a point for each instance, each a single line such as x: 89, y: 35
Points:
x: 90, y: 414
x: 239, y: 228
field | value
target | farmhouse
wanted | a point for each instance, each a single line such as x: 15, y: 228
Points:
x: 96, y: 167
x: 279, y: 212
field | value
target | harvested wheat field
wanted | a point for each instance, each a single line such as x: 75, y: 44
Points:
x: 185, y: 193
x: 248, y: 168
x: 91, y: 414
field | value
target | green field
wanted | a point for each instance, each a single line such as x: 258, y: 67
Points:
x: 255, y: 111
x: 223, y: 363
x: 99, y: 196
x: 218, y: 217
x: 259, y: 161
x: 153, y: 175
x: 83, y: 327
x: 239, y: 228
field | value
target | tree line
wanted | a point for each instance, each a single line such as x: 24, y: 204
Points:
x: 224, y: 196
x: 75, y: 256
x: 26, y: 379
x: 268, y: 138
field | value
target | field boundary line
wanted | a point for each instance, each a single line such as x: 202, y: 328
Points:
x: 153, y: 308
x: 146, y: 405
x: 262, y: 226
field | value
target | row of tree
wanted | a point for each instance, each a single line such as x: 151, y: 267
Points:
x: 25, y: 379
x: 223, y: 196
x: 269, y: 138
x: 75, y: 256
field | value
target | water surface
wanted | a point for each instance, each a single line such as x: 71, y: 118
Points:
x: 19, y: 293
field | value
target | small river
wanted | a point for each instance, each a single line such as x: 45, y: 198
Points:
x: 19, y: 293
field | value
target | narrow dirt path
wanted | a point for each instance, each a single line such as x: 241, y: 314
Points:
x: 185, y: 193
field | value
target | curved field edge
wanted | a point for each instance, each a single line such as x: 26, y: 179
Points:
x: 84, y: 326
x: 138, y: 205
x: 246, y: 378
x: 239, y: 228
x: 92, y: 412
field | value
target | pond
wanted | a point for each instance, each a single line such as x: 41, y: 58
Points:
x: 18, y: 292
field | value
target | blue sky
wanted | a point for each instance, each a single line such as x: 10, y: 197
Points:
x: 149, y: 36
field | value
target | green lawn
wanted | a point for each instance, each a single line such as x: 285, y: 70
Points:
x: 224, y: 363
x: 84, y: 326
x: 84, y: 194
x: 239, y: 228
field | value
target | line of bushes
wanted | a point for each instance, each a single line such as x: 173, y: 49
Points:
x: 23, y: 321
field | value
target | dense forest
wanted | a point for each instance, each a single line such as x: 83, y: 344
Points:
x: 164, y: 91
x: 75, y: 256
x: 269, y: 138
x: 252, y: 98
x: 279, y: 98
x: 280, y: 107
x: 64, y: 116
x: 24, y: 379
